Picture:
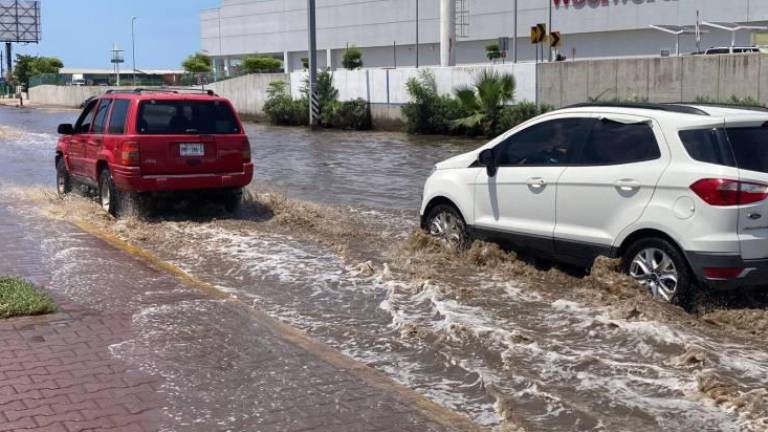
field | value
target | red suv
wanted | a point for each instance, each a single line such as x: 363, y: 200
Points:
x: 135, y: 144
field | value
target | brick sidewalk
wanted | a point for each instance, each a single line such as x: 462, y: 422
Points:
x: 57, y: 374
x: 218, y: 365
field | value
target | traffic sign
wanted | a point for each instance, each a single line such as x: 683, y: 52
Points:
x: 555, y: 40
x: 538, y: 33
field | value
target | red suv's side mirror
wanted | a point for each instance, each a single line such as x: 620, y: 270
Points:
x: 66, y: 129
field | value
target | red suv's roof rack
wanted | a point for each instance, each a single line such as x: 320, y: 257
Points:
x: 175, y: 90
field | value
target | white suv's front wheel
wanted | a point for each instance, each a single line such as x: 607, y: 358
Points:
x: 660, y: 268
x: 446, y: 224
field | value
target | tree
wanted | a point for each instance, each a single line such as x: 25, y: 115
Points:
x: 305, y: 62
x: 198, y: 63
x: 353, y: 58
x: 485, y: 100
x: 493, y: 52
x: 28, y: 66
x: 261, y: 64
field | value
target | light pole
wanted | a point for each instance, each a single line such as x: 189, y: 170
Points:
x: 314, y: 103
x: 133, y: 48
x: 417, y: 33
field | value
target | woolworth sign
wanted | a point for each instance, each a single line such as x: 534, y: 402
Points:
x: 597, y: 3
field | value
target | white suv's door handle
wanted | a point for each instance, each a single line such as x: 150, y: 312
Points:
x: 627, y: 185
x: 536, y: 182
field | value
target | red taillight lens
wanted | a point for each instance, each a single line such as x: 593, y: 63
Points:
x: 724, y: 192
x: 246, y: 151
x: 722, y: 273
x: 129, y: 153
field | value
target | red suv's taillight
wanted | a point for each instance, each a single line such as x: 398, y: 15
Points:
x: 246, y: 150
x: 724, y: 192
x: 129, y: 153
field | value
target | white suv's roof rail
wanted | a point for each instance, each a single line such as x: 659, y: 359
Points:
x: 683, y: 109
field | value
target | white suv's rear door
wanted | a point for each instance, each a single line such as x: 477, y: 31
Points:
x: 609, y: 185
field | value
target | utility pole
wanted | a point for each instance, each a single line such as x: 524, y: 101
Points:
x: 314, y: 103
x: 417, y: 33
x: 514, y: 40
x: 133, y: 44
x: 8, y: 61
x: 549, y: 29
x: 447, y: 32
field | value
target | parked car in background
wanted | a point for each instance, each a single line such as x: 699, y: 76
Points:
x: 733, y: 50
x: 678, y: 192
x: 134, y: 145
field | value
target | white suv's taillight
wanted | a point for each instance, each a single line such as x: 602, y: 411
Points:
x: 725, y: 192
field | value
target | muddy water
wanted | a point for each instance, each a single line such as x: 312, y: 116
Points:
x: 483, y: 333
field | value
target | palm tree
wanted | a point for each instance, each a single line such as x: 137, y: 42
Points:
x: 485, y: 100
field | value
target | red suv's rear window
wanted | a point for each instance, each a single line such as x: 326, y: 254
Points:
x: 178, y: 117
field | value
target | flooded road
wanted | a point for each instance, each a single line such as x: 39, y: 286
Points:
x: 327, y: 244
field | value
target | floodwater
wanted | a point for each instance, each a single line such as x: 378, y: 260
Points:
x: 327, y: 243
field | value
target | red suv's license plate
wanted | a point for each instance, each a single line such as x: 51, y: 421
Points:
x: 192, y: 150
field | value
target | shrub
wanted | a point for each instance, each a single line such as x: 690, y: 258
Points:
x: 261, y: 64
x: 326, y: 92
x: 353, y: 58
x: 485, y: 100
x: 281, y: 109
x: 354, y: 115
x: 428, y: 112
x: 20, y: 298
x: 492, y: 51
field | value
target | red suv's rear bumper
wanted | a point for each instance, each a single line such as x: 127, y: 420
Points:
x: 130, y: 179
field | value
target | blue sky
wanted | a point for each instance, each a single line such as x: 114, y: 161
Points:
x: 81, y: 32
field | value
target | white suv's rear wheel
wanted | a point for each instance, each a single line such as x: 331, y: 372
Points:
x: 445, y: 223
x: 660, y: 268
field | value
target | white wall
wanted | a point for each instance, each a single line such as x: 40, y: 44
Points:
x: 594, y: 28
x: 381, y: 86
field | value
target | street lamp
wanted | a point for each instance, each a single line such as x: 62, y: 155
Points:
x: 133, y: 44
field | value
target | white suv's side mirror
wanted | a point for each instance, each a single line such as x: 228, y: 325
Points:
x: 487, y: 158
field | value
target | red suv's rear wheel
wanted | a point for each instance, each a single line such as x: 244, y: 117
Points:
x: 108, y: 194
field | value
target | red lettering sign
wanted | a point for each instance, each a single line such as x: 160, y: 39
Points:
x: 582, y: 3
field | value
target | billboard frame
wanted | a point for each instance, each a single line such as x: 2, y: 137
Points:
x: 20, y: 21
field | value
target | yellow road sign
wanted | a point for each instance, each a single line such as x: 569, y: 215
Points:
x: 538, y: 33
x: 555, y: 40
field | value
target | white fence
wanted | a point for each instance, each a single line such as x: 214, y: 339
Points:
x: 378, y: 86
x: 387, y: 86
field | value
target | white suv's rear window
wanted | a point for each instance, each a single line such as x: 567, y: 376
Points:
x: 750, y: 146
x: 169, y: 117
x: 745, y: 148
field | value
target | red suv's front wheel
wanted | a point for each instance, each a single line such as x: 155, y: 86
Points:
x: 63, y: 180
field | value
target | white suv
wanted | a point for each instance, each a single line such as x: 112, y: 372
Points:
x: 677, y: 191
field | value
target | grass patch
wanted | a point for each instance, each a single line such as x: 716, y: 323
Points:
x: 21, y: 298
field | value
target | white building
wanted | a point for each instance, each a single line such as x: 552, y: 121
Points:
x: 385, y: 30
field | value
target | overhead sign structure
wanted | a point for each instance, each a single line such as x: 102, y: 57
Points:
x: 555, y: 39
x: 19, y: 21
x: 538, y: 33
